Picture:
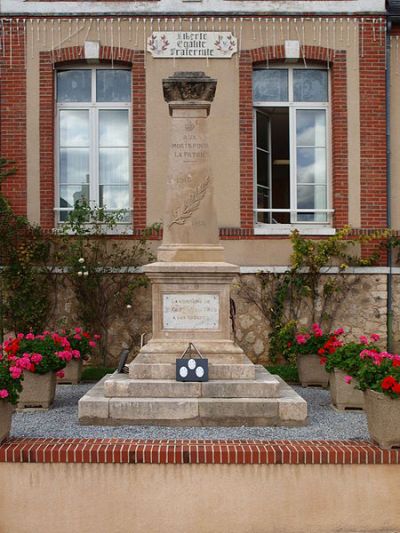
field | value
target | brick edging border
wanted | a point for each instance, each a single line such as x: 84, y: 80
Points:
x: 251, y: 452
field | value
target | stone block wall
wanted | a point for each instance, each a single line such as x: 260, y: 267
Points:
x: 362, y: 310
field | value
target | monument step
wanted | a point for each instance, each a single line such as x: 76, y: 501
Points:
x: 287, y: 410
x: 263, y: 386
x: 167, y: 371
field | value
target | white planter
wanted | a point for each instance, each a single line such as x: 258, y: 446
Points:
x: 38, y: 390
x: 345, y: 395
x: 72, y: 372
x: 311, y: 372
x: 383, y: 417
x: 6, y: 410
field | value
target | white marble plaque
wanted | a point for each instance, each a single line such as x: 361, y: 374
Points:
x: 192, y: 44
x: 191, y: 311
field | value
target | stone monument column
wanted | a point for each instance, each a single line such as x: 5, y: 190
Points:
x: 191, y: 302
x: 190, y: 282
x: 190, y: 221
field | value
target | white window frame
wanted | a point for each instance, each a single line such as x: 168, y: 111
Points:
x: 93, y: 108
x: 307, y: 227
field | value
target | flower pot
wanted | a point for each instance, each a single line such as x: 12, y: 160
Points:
x: 383, y: 417
x: 345, y: 395
x: 6, y: 410
x: 311, y: 372
x: 38, y: 390
x: 72, y: 372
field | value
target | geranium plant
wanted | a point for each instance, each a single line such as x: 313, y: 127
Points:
x: 347, y: 357
x: 42, y: 353
x: 315, y: 342
x: 380, y: 371
x: 10, y: 379
x: 82, y: 343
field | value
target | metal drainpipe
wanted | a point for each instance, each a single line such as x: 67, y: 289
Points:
x: 389, y: 309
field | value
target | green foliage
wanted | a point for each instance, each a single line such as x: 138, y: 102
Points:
x: 48, y: 347
x: 347, y: 358
x: 95, y: 373
x: 11, y: 385
x: 380, y: 372
x: 100, y: 268
x: 287, y: 372
x: 25, y: 277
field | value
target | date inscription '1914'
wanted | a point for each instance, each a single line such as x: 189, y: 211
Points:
x: 191, y: 311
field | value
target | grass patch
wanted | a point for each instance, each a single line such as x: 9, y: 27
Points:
x: 287, y: 372
x: 95, y: 373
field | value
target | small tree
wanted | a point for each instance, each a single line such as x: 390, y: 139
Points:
x: 101, y: 270
x: 25, y: 281
x: 306, y: 292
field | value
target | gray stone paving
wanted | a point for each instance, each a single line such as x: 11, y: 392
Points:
x: 61, y: 421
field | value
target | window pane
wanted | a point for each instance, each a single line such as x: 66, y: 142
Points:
x: 270, y: 85
x: 311, y: 197
x: 74, y: 85
x: 114, y: 197
x: 113, y: 128
x: 311, y: 127
x: 114, y: 166
x: 310, y: 85
x: 311, y: 165
x: 262, y: 168
x: 70, y: 194
x: 262, y: 127
x: 263, y: 203
x: 74, y: 128
x: 113, y: 85
x: 74, y: 165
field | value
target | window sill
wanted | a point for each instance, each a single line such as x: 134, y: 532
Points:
x: 262, y: 229
x: 124, y: 229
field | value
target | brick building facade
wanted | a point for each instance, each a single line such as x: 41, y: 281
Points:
x: 298, y: 128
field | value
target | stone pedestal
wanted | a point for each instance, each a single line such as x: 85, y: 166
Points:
x: 191, y: 303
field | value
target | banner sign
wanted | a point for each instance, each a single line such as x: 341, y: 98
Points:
x: 192, y: 44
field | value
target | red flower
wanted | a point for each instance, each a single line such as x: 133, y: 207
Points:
x: 396, y: 388
x: 321, y: 351
x: 322, y: 360
x: 396, y: 362
x: 388, y: 382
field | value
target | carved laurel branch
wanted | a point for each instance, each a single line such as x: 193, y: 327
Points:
x: 192, y: 203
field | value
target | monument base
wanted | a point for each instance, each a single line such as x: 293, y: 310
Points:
x: 264, y: 401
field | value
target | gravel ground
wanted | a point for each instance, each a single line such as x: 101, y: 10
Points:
x: 325, y: 423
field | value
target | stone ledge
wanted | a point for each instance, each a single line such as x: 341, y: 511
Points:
x: 246, y: 452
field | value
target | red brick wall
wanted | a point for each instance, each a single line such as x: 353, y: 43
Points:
x: 49, y: 61
x: 13, y: 114
x: 340, y: 176
x: 373, y: 130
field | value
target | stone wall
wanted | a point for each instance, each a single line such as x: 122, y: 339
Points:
x: 361, y: 310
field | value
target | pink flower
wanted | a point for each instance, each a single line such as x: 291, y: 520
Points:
x: 40, y: 337
x: 77, y: 330
x: 30, y: 336
x: 20, y: 336
x: 317, y: 330
x: 339, y: 331
x: 375, y: 337
x: 92, y: 344
x: 363, y: 339
x: 77, y: 337
x: 15, y: 372
x: 348, y: 379
x: 96, y: 337
x: 23, y: 362
x: 3, y: 393
x: 36, y: 358
x: 60, y: 374
x: 301, y: 339
x: 76, y: 354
